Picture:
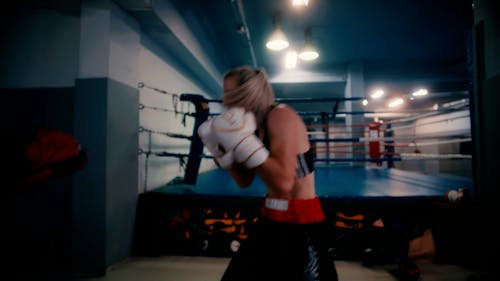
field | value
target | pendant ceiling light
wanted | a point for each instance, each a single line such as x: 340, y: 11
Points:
x: 278, y: 40
x: 309, y: 52
x: 300, y: 3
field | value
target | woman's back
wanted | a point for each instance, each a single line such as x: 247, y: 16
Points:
x: 283, y: 122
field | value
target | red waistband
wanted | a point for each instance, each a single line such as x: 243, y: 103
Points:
x: 300, y: 211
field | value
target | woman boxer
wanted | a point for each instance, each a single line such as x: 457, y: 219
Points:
x: 257, y: 137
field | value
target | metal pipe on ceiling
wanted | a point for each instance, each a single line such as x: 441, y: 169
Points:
x: 239, y: 13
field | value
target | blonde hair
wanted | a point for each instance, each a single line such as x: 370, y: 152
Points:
x: 254, y: 92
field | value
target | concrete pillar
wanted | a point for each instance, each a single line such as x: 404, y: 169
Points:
x: 106, y: 121
x: 355, y: 88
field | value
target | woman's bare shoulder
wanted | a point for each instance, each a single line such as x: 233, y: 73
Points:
x: 283, y: 113
x: 284, y: 123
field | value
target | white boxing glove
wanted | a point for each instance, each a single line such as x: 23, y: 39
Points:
x: 235, y: 130
x: 222, y: 158
x: 225, y: 161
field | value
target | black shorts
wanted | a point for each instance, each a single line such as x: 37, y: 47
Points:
x: 283, y: 251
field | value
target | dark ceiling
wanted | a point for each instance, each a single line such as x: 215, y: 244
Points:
x: 401, y: 45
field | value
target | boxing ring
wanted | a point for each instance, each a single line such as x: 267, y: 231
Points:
x: 206, y: 213
x: 338, y: 183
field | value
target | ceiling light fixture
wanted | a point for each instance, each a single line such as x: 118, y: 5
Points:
x: 377, y: 94
x: 420, y: 93
x: 277, y: 41
x: 309, y: 52
x: 395, y: 102
x: 300, y: 3
x: 291, y: 59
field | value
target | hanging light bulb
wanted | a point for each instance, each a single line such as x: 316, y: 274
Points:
x: 277, y: 41
x: 378, y: 93
x: 309, y: 52
x: 300, y: 3
x: 291, y: 59
x: 420, y: 93
x: 395, y: 102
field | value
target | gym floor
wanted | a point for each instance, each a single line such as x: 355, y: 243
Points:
x: 396, y: 184
x: 191, y: 268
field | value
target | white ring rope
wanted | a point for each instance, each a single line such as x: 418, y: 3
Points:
x: 427, y: 114
x: 333, y: 128
x: 389, y: 139
x: 429, y: 156
x: 440, y: 142
x: 398, y: 127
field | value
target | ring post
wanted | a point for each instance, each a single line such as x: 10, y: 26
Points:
x: 389, y: 148
x: 196, y: 148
